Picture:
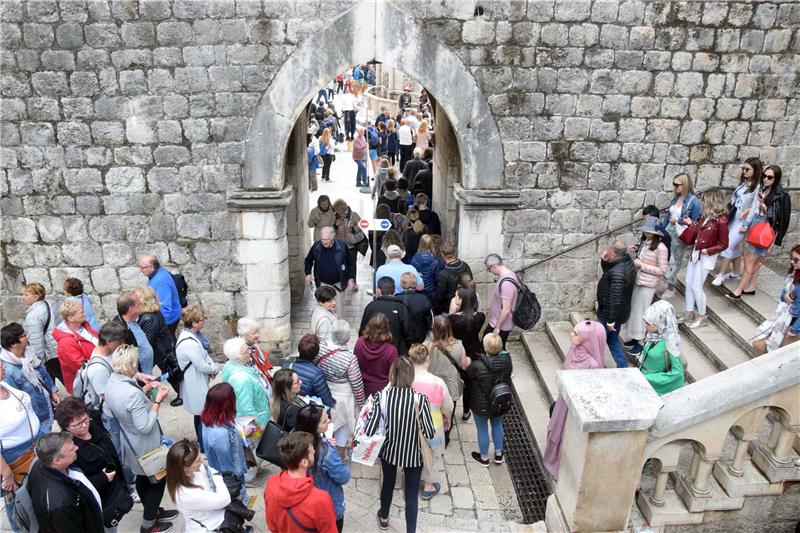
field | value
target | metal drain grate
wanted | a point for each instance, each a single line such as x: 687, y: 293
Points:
x: 523, y: 457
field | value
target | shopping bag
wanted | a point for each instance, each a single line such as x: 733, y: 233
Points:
x: 366, y: 448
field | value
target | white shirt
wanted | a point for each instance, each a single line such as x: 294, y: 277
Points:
x: 347, y: 102
x: 203, y: 504
x: 675, y: 212
x: 79, y: 476
x: 18, y: 421
x: 404, y: 135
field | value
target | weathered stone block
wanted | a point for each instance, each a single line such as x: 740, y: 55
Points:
x: 554, y: 34
x: 765, y: 15
x: 172, y: 33
x: 138, y: 34
x: 102, y: 35
x: 125, y: 180
x: 36, y: 133
x: 50, y: 83
x: 572, y: 10
x: 194, y: 226
x: 689, y: 84
x: 191, y: 79
x: 82, y: 254
x: 692, y: 131
x: 105, y: 280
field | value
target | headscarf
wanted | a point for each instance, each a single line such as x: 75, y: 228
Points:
x: 29, y: 363
x: 662, y: 315
x: 591, y: 348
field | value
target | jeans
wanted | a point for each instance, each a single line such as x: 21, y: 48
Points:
x: 361, y: 175
x: 350, y: 124
x: 112, y: 426
x: 413, y: 475
x: 677, y: 253
x: 614, y: 344
x: 498, y: 434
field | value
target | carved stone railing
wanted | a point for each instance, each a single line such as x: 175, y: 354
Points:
x: 616, y: 423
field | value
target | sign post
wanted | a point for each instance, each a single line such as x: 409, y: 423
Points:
x: 375, y: 225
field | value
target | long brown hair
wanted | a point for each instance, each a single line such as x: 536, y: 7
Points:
x: 377, y: 329
x: 796, y: 278
x: 282, y: 393
x: 442, y: 333
x: 182, y: 455
x: 758, y: 173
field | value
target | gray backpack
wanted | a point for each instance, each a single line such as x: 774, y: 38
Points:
x: 23, y: 517
x: 82, y: 388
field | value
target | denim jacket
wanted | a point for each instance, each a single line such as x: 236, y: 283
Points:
x: 795, y: 309
x: 39, y: 400
x: 224, y: 449
x: 690, y: 204
x: 330, y: 474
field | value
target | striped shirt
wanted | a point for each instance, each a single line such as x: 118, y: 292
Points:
x: 341, y: 366
x: 402, y: 446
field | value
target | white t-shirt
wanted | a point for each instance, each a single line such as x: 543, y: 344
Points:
x: 18, y: 421
x: 79, y: 476
x: 347, y: 102
x: 404, y: 136
x: 675, y: 212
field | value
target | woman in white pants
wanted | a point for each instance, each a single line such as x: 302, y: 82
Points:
x: 707, y: 236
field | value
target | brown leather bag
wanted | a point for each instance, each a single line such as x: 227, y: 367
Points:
x: 22, y: 466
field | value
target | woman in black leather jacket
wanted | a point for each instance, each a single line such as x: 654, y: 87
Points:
x: 161, y: 340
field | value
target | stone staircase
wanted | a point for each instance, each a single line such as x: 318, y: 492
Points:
x: 720, y: 345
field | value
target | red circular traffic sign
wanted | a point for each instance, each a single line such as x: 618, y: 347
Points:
x: 364, y: 223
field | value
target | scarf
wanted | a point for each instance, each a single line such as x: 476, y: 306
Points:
x: 662, y: 315
x: 204, y: 342
x: 593, y: 341
x: 29, y: 363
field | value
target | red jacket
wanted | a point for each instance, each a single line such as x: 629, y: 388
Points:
x: 711, y: 236
x: 73, y: 350
x: 311, y: 506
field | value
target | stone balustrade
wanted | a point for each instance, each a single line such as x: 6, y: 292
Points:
x: 719, y: 440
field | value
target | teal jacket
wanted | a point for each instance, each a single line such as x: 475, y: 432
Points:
x: 251, y: 397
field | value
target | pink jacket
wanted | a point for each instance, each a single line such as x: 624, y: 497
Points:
x: 655, y: 264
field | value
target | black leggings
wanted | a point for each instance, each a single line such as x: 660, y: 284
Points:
x: 326, y: 167
x: 151, y: 495
x: 392, y: 158
x: 413, y: 475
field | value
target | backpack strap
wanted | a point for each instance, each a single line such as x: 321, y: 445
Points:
x: 176, y: 349
x: 49, y: 316
x: 298, y: 523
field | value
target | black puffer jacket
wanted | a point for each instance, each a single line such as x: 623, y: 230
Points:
x: 62, y: 504
x: 420, y: 318
x: 162, y: 341
x: 397, y: 314
x: 484, y: 378
x: 447, y: 283
x: 614, y: 290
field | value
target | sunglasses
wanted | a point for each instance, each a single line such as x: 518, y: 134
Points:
x: 766, y: 177
x: 677, y: 184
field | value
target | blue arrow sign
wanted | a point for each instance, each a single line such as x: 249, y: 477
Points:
x: 385, y: 224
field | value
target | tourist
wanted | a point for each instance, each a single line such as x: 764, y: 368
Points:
x: 387, y: 304
x: 343, y: 374
x: 159, y: 337
x: 405, y: 143
x: 374, y: 144
x: 652, y: 262
x: 404, y: 100
x: 348, y: 107
x: 321, y: 216
x: 323, y: 317
x: 413, y: 166
x: 40, y: 321
x: 391, y: 198
x: 128, y: 310
x: 706, y: 237
x: 285, y: 402
x: 614, y: 292
x: 449, y: 361
x: 467, y: 321
x: 291, y: 501
x: 774, y: 207
x: 97, y: 459
x: 198, y: 367
x: 248, y: 330
x: 140, y: 430
x: 381, y: 175
x: 25, y: 372
x: 314, y: 162
x: 422, y: 135
x: 164, y: 285
x: 312, y: 380
x: 392, y: 143
x: 383, y: 134
x: 375, y: 353
x: 394, y: 267
x: 490, y: 369
x: 64, y: 500
x: 76, y: 340
x: 73, y: 289
x: 327, y: 149
x: 423, y: 181
x: 412, y: 235
x: 742, y: 201
x: 661, y: 361
x: 349, y: 232
x: 378, y: 258
x: 223, y: 444
x: 442, y: 407
x: 420, y: 316
x: 426, y: 215
x: 407, y: 418
x: 252, y: 399
x: 360, y: 153
x: 428, y: 264
x: 332, y: 264
x: 447, y: 278
x: 783, y: 327
x: 684, y: 203
x: 18, y: 434
x: 504, y: 298
x: 329, y: 471
x: 404, y: 194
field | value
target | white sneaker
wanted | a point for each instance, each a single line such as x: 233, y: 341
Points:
x: 684, y: 317
x: 667, y: 294
x: 734, y: 275
x: 720, y: 279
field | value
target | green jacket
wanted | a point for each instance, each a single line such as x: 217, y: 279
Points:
x: 251, y: 397
x: 654, y: 368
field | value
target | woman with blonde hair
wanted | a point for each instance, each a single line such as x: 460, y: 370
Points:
x: 706, y: 237
x: 327, y: 146
x: 154, y: 325
x: 422, y: 135
x: 40, y: 321
x: 76, y: 340
x: 684, y: 203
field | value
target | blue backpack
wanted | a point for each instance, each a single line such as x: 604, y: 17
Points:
x: 374, y: 140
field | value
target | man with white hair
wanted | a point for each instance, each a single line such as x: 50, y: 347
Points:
x: 504, y: 298
x: 394, y: 268
x: 331, y: 264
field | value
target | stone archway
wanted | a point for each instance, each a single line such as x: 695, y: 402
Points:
x: 266, y: 203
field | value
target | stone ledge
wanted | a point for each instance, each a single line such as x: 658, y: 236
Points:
x: 259, y: 200
x: 492, y: 198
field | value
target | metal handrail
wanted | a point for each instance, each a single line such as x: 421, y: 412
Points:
x: 614, y: 230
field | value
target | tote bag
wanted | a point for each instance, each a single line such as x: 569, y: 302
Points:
x: 367, y: 448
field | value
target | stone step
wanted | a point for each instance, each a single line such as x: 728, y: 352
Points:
x: 546, y: 361
x: 758, y: 306
x: 726, y: 315
x: 533, y: 394
x: 715, y: 343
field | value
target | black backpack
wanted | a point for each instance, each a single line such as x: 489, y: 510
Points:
x: 182, y: 286
x: 501, y: 396
x: 528, y: 311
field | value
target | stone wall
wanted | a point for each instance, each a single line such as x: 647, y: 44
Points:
x: 124, y: 124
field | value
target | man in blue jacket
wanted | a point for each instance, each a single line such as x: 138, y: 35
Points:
x: 161, y: 281
x: 331, y: 265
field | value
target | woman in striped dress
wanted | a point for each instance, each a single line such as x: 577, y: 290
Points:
x: 402, y: 445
